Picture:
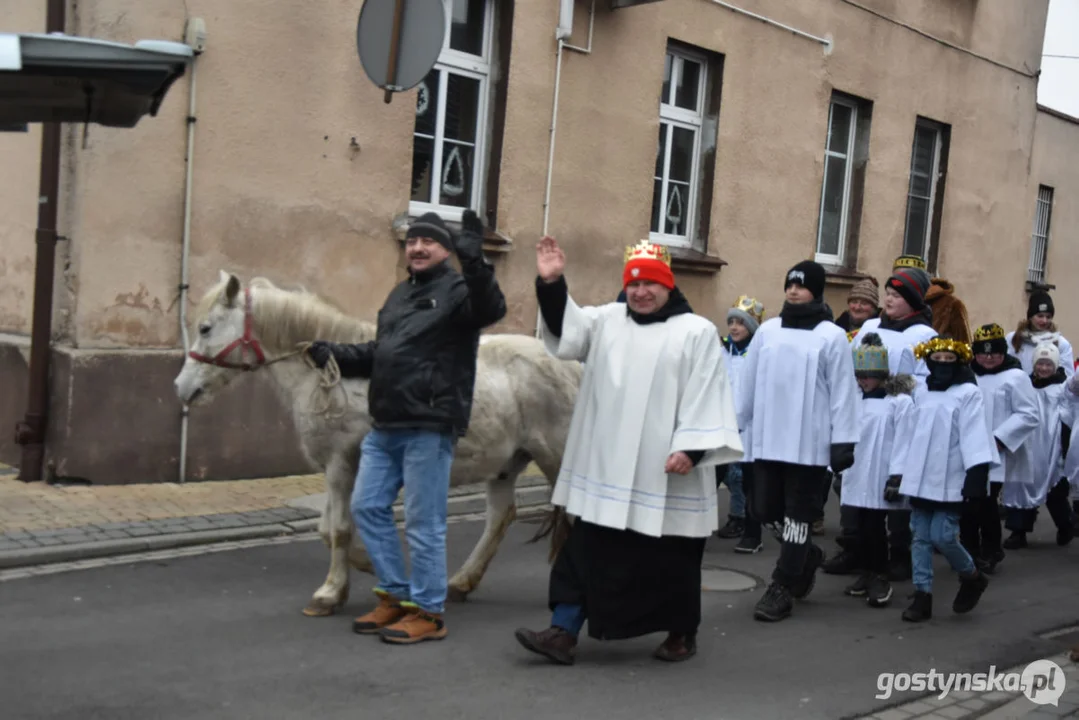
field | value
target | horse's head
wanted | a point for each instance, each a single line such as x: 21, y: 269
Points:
x: 222, y: 342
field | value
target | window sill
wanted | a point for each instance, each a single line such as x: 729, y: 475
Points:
x: 493, y: 241
x: 1034, y: 286
x: 694, y: 261
x: 846, y: 277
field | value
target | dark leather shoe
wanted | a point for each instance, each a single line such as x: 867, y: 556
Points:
x: 554, y: 643
x: 677, y: 647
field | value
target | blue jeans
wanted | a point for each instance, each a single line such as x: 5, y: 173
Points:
x: 733, y: 480
x: 420, y: 460
x: 569, y: 617
x: 938, y: 528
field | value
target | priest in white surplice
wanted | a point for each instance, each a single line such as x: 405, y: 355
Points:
x: 654, y: 415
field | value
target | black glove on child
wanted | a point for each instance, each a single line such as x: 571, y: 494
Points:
x: 469, y: 244
x: 842, y: 457
x: 891, y: 488
x: 320, y: 352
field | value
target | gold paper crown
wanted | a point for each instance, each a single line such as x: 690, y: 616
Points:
x: 647, y: 250
x: 909, y: 261
x: 939, y: 344
x: 988, y: 332
x: 751, y: 306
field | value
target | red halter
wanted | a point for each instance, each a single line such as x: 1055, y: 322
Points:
x: 247, y: 341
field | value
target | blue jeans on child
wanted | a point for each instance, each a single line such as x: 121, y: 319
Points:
x: 733, y: 480
x: 938, y: 528
x: 420, y: 460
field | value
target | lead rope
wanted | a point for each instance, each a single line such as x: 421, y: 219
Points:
x: 329, y: 377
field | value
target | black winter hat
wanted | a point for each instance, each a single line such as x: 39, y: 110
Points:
x: 912, y: 284
x: 809, y: 275
x: 430, y: 225
x: 1040, y: 302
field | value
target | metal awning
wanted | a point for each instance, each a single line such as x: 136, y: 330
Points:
x: 62, y: 78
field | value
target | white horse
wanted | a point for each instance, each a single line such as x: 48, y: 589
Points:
x: 521, y: 411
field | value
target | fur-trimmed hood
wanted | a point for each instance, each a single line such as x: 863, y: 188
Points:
x: 1023, y: 335
x: 937, y: 288
x: 902, y: 384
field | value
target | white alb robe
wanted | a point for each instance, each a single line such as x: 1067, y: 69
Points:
x: 1026, y: 351
x: 1011, y: 414
x: 886, y: 429
x: 648, y: 391
x: 1071, y: 460
x: 950, y: 437
x: 1046, y: 457
x: 798, y: 393
x: 735, y: 365
x: 901, y: 360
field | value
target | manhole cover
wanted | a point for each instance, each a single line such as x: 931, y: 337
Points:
x: 717, y: 580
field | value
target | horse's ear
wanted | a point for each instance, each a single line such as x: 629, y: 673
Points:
x: 232, y: 289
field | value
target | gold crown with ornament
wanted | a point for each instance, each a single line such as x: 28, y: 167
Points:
x: 939, y: 344
x: 987, y: 333
x: 647, y: 250
x: 909, y: 261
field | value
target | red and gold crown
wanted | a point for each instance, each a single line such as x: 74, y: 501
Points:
x: 647, y: 250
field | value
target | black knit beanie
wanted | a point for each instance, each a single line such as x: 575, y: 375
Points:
x: 430, y: 225
x: 1040, y: 302
x: 809, y: 275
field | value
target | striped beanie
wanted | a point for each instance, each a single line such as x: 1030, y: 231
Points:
x: 912, y: 284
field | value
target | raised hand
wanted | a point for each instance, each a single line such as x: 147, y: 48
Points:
x: 550, y: 260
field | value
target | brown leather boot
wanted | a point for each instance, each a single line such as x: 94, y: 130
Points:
x: 416, y: 626
x: 554, y: 643
x: 677, y: 647
x: 387, y: 612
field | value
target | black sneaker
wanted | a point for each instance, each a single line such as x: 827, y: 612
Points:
x: 748, y: 545
x: 775, y: 605
x: 801, y: 587
x: 859, y: 587
x: 1015, y: 541
x: 845, y: 562
x: 992, y: 560
x: 734, y: 528
x: 880, y: 591
x: 921, y: 609
x: 970, y: 591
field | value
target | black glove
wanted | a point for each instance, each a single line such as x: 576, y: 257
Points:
x: 976, y: 484
x: 469, y: 243
x: 320, y: 352
x: 842, y: 457
x: 891, y: 488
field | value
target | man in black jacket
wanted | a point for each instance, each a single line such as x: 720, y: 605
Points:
x: 422, y: 370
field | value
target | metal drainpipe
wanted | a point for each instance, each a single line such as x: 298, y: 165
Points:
x: 30, y: 433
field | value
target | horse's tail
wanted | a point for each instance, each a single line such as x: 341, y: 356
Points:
x: 556, y: 523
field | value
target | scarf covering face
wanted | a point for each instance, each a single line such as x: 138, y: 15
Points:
x: 942, y: 375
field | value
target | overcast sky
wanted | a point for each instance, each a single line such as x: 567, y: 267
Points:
x: 1058, y: 86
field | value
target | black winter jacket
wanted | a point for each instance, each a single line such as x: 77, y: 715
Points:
x: 422, y: 362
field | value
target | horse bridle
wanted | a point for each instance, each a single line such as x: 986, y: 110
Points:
x: 245, y: 343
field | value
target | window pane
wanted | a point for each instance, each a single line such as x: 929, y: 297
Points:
x: 466, y: 26
x: 657, y: 199
x: 917, y: 224
x: 924, y: 146
x: 661, y: 149
x: 427, y: 105
x: 462, y: 107
x: 422, y: 156
x: 832, y: 205
x: 665, y: 96
x: 919, y: 185
x: 839, y: 132
x: 689, y: 80
x: 682, y: 154
x: 677, y: 210
x: 456, y: 175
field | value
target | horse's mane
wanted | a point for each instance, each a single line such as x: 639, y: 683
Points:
x: 283, y: 318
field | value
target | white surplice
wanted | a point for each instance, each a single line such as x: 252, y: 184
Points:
x: 1071, y: 460
x: 1046, y: 458
x: 648, y: 391
x: 901, y: 360
x: 1032, y: 340
x: 798, y: 393
x: 886, y: 429
x: 949, y: 437
x: 1011, y: 414
x: 735, y: 365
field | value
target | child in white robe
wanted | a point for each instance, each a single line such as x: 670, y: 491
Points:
x: 799, y: 400
x: 886, y: 411
x: 947, y: 462
x: 1049, y: 446
x: 1011, y: 414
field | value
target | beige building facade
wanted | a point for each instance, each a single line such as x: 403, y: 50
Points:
x: 747, y: 136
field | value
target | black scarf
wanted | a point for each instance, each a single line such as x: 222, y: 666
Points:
x: 736, y: 348
x: 804, y: 316
x: 879, y: 394
x: 920, y: 317
x: 942, y: 375
x: 676, y: 305
x: 1010, y: 363
x: 1055, y: 379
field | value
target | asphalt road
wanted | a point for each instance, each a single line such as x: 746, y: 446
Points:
x: 222, y: 636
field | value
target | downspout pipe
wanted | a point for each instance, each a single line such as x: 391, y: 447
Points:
x: 30, y: 433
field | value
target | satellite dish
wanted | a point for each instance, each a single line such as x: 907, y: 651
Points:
x: 399, y: 41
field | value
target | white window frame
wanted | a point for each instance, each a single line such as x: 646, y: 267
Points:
x: 938, y: 146
x: 848, y: 173
x: 1037, y: 270
x: 471, y: 66
x: 675, y: 116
